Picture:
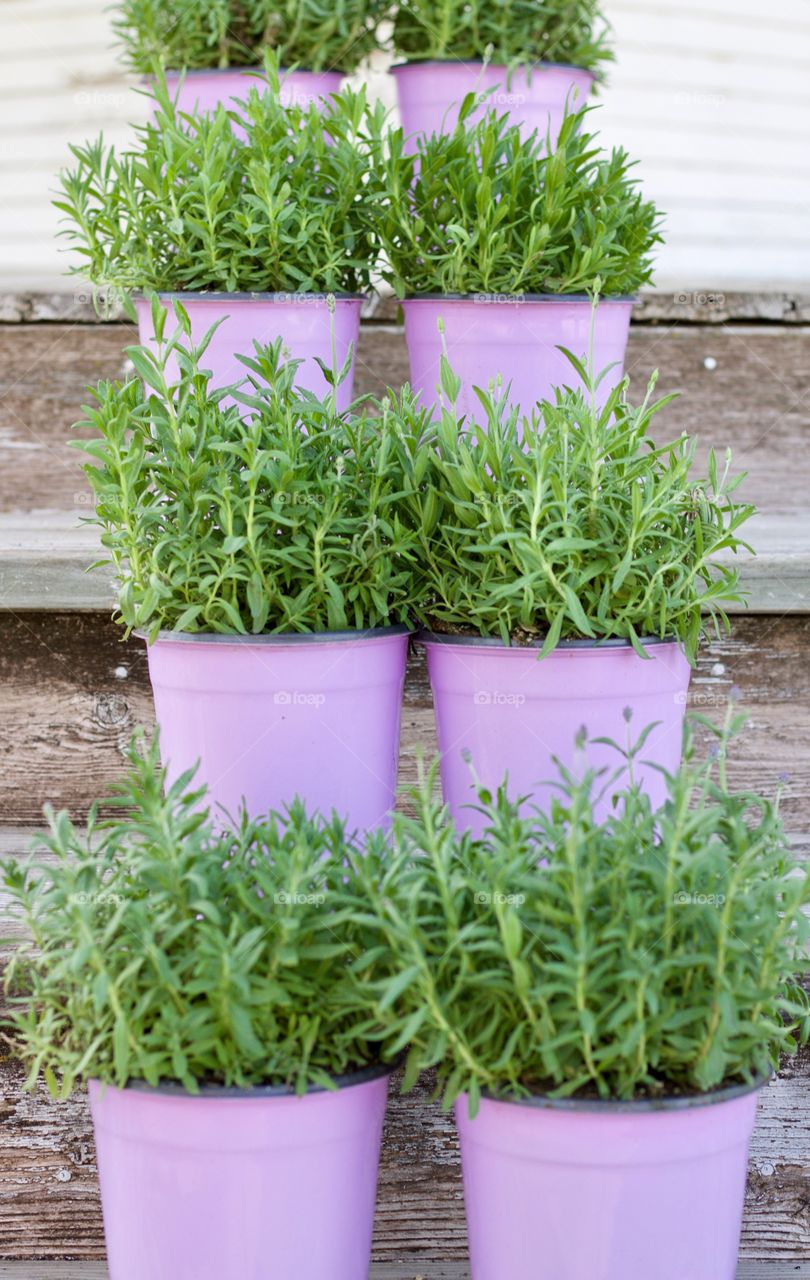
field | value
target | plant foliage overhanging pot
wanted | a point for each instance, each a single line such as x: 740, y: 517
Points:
x: 230, y: 1086
x: 568, y: 560
x: 230, y: 34
x: 259, y: 544
x: 510, y: 247
x: 523, y: 34
x: 256, y: 227
x: 601, y: 1008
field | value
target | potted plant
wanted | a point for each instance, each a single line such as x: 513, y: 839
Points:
x: 192, y: 979
x: 532, y: 61
x: 569, y: 574
x: 208, y: 49
x: 603, y: 1004
x: 256, y: 231
x: 259, y: 549
x: 508, y: 249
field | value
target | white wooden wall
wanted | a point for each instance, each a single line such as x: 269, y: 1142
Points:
x: 711, y: 96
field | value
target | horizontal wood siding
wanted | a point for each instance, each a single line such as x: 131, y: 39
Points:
x: 714, y: 101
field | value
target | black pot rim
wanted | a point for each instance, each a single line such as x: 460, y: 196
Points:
x: 630, y: 1106
x: 279, y: 638
x: 479, y: 62
x: 214, y: 295
x: 523, y: 297
x: 363, y: 1075
x: 495, y: 642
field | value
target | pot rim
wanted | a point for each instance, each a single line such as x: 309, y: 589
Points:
x: 279, y: 638
x: 623, y: 298
x: 363, y: 1075
x: 215, y: 295
x: 479, y: 62
x: 630, y: 1106
x: 494, y: 642
x: 254, y: 69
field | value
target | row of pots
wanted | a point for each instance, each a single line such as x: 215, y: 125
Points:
x: 263, y: 1183
x: 485, y: 336
x: 318, y: 715
x: 429, y: 94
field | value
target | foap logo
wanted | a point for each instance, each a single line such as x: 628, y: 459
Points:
x: 501, y: 98
x: 315, y: 299
x: 298, y: 698
x: 297, y: 899
x: 496, y: 698
x: 699, y: 899
x: 499, y: 899
x: 705, y: 698
x: 499, y: 299
x: 710, y: 300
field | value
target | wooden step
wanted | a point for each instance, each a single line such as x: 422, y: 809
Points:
x: 44, y: 557
x: 744, y: 387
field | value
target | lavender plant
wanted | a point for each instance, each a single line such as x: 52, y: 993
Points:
x: 573, y: 523
x: 572, y: 32
x: 484, y: 210
x: 161, y: 948
x: 655, y: 954
x: 252, y: 509
x: 200, y: 34
x: 287, y: 204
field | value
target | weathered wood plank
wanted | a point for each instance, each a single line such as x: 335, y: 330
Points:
x: 71, y: 693
x: 656, y: 306
x: 755, y: 399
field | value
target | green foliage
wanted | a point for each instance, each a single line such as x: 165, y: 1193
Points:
x: 313, y: 34
x: 193, y: 205
x: 653, y: 954
x: 272, y: 513
x: 571, y: 32
x: 479, y: 210
x: 162, y: 949
x: 573, y: 524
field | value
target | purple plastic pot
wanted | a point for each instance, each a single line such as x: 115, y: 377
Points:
x: 430, y: 94
x: 274, y: 717
x: 487, y: 335
x: 302, y: 320
x: 205, y: 90
x: 503, y: 711
x: 255, y: 1184
x: 606, y: 1191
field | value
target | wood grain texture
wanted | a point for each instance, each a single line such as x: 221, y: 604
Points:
x: 654, y: 306
x: 71, y: 693
x: 67, y: 710
x: 381, y: 1271
x: 755, y: 400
